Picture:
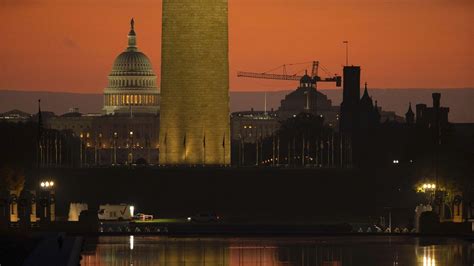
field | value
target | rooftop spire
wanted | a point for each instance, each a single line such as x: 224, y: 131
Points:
x: 132, y: 38
x: 410, y: 116
x: 410, y: 111
x: 366, y: 93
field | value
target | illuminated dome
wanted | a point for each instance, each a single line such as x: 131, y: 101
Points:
x: 132, y: 82
x: 132, y: 63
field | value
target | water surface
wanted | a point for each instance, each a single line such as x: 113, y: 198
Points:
x: 324, y: 251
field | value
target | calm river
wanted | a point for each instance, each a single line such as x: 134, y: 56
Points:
x: 323, y: 251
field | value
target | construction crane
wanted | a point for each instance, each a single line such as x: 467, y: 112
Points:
x: 285, y: 76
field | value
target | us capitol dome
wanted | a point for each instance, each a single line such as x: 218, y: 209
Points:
x: 132, y: 83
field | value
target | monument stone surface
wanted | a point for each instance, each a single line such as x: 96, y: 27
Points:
x: 194, y: 118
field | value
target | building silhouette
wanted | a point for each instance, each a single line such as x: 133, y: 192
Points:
x: 307, y: 99
x: 369, y: 113
x: 349, y: 112
x: 435, y: 116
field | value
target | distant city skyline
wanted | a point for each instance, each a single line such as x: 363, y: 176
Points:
x: 51, y: 45
x: 396, y: 100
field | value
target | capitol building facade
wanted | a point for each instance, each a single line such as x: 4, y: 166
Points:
x: 127, y: 130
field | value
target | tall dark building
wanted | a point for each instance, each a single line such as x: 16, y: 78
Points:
x: 435, y: 116
x: 350, y: 101
x: 359, y: 118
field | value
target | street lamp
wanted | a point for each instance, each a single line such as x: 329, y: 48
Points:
x: 115, y: 147
x: 427, y: 187
x: 80, y: 148
x: 131, y: 147
x: 47, y: 184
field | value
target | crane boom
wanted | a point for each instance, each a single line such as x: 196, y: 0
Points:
x: 267, y: 76
x: 314, y: 73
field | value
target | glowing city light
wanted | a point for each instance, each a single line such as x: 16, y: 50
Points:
x: 427, y: 187
x: 47, y: 184
x: 429, y: 257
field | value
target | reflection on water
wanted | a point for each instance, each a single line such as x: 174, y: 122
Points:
x: 324, y: 251
x: 429, y: 257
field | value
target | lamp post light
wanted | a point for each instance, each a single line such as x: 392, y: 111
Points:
x: 85, y: 148
x: 131, y: 147
x: 47, y: 185
x: 115, y: 148
x: 47, y: 201
x: 80, y: 149
x: 98, y: 148
x: 429, y: 189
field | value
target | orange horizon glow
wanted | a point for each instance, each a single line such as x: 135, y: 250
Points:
x: 69, y: 46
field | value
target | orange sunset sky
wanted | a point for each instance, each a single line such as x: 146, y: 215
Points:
x: 70, y: 45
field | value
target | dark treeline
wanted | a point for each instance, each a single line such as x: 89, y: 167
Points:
x: 305, y: 141
x: 301, y: 141
x: 26, y: 146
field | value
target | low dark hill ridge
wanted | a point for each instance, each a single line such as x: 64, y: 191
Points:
x: 459, y: 100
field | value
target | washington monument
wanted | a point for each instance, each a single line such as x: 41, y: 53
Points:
x: 194, y: 118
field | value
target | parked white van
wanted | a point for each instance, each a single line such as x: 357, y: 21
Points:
x: 120, y: 212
